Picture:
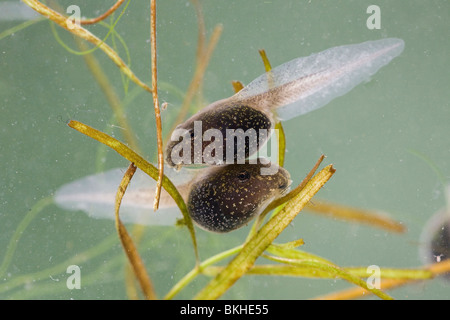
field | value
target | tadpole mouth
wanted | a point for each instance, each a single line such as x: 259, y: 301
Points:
x: 284, y: 186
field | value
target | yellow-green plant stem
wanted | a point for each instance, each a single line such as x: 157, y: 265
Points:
x: 335, y: 271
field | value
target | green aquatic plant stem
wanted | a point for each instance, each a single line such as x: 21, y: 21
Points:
x: 280, y: 270
x: 303, y: 271
x: 78, y: 259
x: 437, y: 171
x: 81, y: 32
x: 87, y: 51
x: 19, y: 27
x: 293, y: 253
x: 11, y: 248
x: 108, y: 272
x: 280, y: 201
x: 142, y: 164
x: 263, y: 238
x: 116, y: 35
x: 287, y: 251
x: 199, y: 270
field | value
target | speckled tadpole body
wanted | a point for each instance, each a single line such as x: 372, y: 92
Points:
x: 224, y: 117
x: 228, y: 197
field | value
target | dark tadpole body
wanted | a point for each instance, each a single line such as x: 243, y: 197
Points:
x: 227, y: 197
x: 242, y: 128
x: 435, y: 239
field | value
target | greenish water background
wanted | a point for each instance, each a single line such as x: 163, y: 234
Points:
x: 368, y: 135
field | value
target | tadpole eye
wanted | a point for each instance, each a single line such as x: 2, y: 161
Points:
x: 243, y: 176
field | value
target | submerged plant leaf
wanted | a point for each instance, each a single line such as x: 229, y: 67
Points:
x: 372, y: 218
x: 11, y: 247
x: 128, y: 244
x: 401, y: 279
x: 294, y: 254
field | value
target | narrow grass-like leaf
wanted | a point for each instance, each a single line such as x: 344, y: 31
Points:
x: 127, y: 243
x: 368, y: 217
x: 353, y: 293
x: 265, y: 60
x: 333, y: 270
x: 11, y: 247
x: 15, y: 29
x: 393, y: 273
x: 295, y: 254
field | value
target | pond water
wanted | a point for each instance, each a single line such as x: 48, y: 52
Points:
x: 387, y: 138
